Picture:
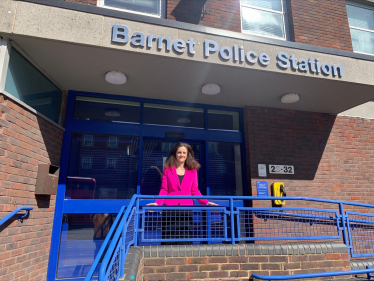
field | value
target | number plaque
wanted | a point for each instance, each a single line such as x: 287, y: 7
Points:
x: 281, y: 169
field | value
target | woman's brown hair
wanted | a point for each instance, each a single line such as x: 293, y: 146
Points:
x: 190, y: 163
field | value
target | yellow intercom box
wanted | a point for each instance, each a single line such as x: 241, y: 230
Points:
x: 277, y: 190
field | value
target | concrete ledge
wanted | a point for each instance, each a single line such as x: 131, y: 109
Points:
x: 361, y: 264
x: 242, y: 250
x: 133, y: 264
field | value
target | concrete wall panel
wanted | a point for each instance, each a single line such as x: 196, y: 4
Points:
x: 7, y: 13
x: 58, y: 24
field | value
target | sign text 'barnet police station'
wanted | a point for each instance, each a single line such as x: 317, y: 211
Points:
x: 236, y: 53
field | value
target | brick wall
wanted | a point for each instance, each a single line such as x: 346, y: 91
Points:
x: 238, y: 262
x: 223, y: 14
x: 26, y: 140
x: 332, y: 155
x: 321, y: 23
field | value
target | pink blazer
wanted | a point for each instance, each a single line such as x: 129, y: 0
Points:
x: 170, y: 186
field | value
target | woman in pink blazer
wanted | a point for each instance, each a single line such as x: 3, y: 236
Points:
x: 179, y: 179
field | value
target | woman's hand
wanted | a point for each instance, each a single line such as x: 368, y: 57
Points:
x: 152, y: 204
x: 212, y: 204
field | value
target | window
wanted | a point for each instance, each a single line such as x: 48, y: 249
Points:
x: 110, y: 110
x: 28, y: 84
x: 172, y: 115
x: 112, y: 142
x: 153, y: 8
x: 88, y: 140
x: 111, y: 163
x: 86, y: 162
x: 361, y: 23
x: 263, y: 17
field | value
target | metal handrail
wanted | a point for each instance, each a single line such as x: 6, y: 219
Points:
x: 312, y: 275
x: 105, y: 243
x: 15, y: 211
x: 135, y: 200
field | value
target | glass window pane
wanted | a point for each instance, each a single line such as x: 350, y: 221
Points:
x: 81, y: 238
x: 102, y: 172
x: 275, y: 5
x: 181, y: 116
x: 97, y: 109
x: 223, y: 120
x: 142, y: 6
x: 362, y: 41
x: 225, y: 169
x: 29, y: 85
x: 262, y: 22
x: 360, y: 17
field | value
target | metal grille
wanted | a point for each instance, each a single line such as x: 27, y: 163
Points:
x: 361, y: 234
x: 289, y: 223
x: 169, y: 224
x: 130, y: 231
x: 113, y: 271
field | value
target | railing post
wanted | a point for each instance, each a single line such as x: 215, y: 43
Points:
x: 136, y: 222
x: 121, y: 261
x: 341, y: 209
x: 232, y: 220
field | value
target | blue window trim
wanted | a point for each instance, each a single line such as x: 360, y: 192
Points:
x: 202, y: 135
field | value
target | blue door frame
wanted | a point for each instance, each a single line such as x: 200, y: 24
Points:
x: 144, y: 132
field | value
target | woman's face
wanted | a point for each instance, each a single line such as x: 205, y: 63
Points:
x: 181, y: 154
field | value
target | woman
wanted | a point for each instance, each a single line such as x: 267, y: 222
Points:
x: 179, y: 179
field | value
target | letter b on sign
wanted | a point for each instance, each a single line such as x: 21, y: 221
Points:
x: 120, y: 34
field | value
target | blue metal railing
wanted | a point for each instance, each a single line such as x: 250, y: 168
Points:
x: 15, y: 211
x: 230, y: 223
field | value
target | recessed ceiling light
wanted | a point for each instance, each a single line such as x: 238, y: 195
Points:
x: 290, y: 98
x: 112, y: 112
x: 115, y: 77
x: 183, y: 120
x: 211, y: 89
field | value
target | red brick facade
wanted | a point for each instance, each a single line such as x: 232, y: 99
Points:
x: 240, y: 268
x: 321, y: 23
x: 223, y: 14
x: 332, y: 155
x: 26, y: 140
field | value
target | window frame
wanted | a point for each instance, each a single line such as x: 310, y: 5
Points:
x: 90, y: 162
x: 108, y: 160
x: 283, y: 13
x: 367, y: 7
x: 101, y: 4
x: 84, y: 141
x: 116, y: 142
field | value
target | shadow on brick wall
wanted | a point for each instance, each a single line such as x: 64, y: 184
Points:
x: 189, y: 11
x: 288, y: 137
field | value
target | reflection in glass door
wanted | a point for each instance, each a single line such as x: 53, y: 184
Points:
x: 154, y: 157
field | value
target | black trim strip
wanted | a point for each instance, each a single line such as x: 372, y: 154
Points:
x: 196, y: 28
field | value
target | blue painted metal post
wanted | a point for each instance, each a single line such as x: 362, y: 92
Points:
x: 137, y: 218
x: 369, y: 275
x: 232, y: 220
x: 341, y: 209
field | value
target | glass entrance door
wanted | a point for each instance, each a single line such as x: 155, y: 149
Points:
x: 115, y: 147
x: 155, y: 153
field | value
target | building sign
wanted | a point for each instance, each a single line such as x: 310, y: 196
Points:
x: 262, y: 188
x: 281, y: 169
x: 236, y: 53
